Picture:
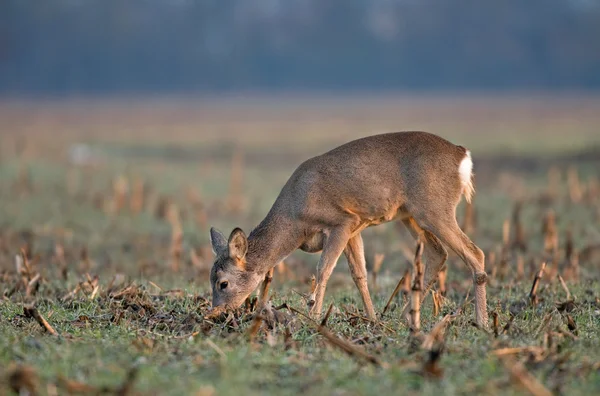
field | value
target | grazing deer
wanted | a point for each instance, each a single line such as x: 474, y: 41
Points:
x: 416, y: 177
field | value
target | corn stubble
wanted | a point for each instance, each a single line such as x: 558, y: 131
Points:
x: 69, y: 273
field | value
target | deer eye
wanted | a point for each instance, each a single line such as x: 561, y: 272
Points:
x: 223, y: 285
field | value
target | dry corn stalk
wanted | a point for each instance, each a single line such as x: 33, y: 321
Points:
x: 378, y: 260
x: 553, y: 181
x: 593, y: 190
x: 176, y: 248
x: 85, y: 264
x: 569, y: 244
x: 32, y: 286
x: 435, y: 296
x: 575, y: 190
x: 119, y: 196
x: 492, y: 265
x: 403, y: 284
x: 417, y: 288
x: 264, y: 291
x: 196, y: 261
x: 436, y: 335
x: 550, y: 233
x: 520, y: 374
x: 442, y: 280
x: 495, y: 324
x: 533, y: 294
x: 198, y: 208
x: 345, y: 345
x: 564, y: 286
x: 520, y: 267
x: 505, y: 233
x: 59, y: 253
x: 31, y: 311
x: 136, y: 201
x: 503, y: 267
x: 519, y: 240
x: 574, y: 265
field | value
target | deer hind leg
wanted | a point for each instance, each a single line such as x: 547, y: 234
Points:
x: 448, y: 231
x: 334, y: 245
x: 435, y: 256
x: 355, y: 254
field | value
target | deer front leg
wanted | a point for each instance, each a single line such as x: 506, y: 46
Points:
x: 355, y: 254
x: 334, y: 246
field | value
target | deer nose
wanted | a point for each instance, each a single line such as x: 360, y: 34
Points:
x: 217, y: 301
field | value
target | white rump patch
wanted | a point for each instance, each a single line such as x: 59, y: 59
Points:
x: 465, y: 171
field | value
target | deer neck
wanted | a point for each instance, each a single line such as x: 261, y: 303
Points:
x: 270, y: 242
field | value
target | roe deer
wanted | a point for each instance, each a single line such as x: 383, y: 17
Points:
x: 416, y: 177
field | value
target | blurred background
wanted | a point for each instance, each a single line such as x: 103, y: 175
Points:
x: 205, y: 46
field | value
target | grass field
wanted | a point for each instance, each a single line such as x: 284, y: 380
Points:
x: 106, y: 207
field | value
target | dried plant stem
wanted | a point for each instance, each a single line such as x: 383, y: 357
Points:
x: 442, y: 280
x: 533, y: 294
x: 491, y: 257
x: 253, y: 330
x: 32, y: 285
x: 519, y: 240
x: 436, y: 302
x: 338, y: 342
x: 520, y: 267
x: 564, y: 286
x: 503, y: 267
x: 26, y: 265
x: 378, y: 260
x: 396, y: 290
x: 176, y: 237
x: 495, y: 324
x: 519, y: 373
x: 436, y: 335
x: 32, y: 312
x: 575, y: 190
x: 120, y: 190
x: 327, y: 314
x: 136, y: 202
x: 516, y: 350
x: 59, y: 252
x: 347, y: 347
x: 550, y: 233
x: 553, y: 181
x: 574, y: 265
x: 417, y: 288
x: 264, y: 291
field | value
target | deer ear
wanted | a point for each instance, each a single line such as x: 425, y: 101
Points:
x: 238, y: 244
x: 218, y: 241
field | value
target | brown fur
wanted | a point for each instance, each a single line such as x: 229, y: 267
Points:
x: 331, y: 198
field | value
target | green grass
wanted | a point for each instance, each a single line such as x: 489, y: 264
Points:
x: 168, y: 339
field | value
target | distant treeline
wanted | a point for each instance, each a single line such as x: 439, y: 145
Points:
x: 108, y: 46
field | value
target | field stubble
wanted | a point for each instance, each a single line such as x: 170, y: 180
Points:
x: 104, y: 252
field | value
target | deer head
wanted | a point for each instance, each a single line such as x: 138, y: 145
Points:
x: 231, y: 279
